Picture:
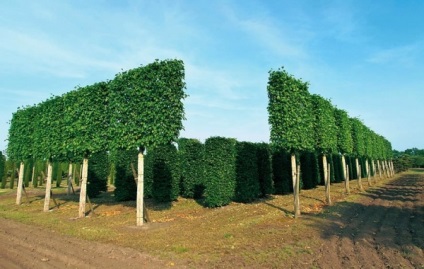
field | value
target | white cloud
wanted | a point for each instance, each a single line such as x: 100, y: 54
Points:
x: 403, y: 55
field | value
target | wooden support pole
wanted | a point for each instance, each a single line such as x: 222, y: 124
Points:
x: 20, y: 184
x: 140, y: 188
x: 296, y: 185
x: 83, y: 189
x: 48, y: 187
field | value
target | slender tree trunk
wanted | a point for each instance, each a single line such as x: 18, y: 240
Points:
x: 326, y: 179
x: 327, y: 185
x: 20, y: 184
x: 344, y: 167
x: 358, y: 171
x: 379, y: 168
x: 347, y: 188
x: 69, y: 179
x: 367, y: 167
x: 83, y: 189
x: 33, y: 174
x: 140, y: 189
x: 48, y: 187
x: 295, y: 186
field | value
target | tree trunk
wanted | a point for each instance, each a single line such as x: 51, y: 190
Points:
x: 344, y: 167
x: 379, y: 168
x: 296, y: 185
x: 359, y: 172
x: 48, y: 187
x: 347, y: 180
x: 69, y: 179
x: 327, y: 186
x: 367, y: 167
x: 326, y: 179
x: 83, y: 189
x: 20, y: 184
x: 140, y: 189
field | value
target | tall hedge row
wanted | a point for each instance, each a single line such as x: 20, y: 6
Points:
x: 125, y: 186
x: 247, y: 184
x: 191, y: 155
x: 220, y: 172
x: 281, y: 171
x: 266, y: 184
x: 97, y: 173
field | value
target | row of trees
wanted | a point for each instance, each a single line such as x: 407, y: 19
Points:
x: 301, y: 122
x: 410, y: 158
x: 139, y: 108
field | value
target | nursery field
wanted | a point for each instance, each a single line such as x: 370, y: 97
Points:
x: 382, y: 227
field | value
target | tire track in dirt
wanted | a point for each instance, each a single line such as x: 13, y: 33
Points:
x: 383, y: 229
x: 25, y: 246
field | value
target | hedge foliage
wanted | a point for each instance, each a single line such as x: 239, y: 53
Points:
x: 220, y: 172
x: 165, y: 173
x: 247, y: 177
x: 281, y: 171
x: 191, y: 153
x: 2, y: 168
x: 125, y: 186
x: 309, y: 170
x: 264, y: 165
x: 97, y: 173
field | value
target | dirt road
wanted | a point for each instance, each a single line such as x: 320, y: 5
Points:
x: 24, y: 246
x: 380, y: 228
x: 383, y: 229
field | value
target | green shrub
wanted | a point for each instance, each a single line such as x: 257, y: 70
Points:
x: 310, y: 170
x: 191, y: 153
x: 281, y: 171
x: 220, y: 172
x: 2, y: 170
x: 337, y: 168
x: 247, y: 177
x: 263, y: 153
x: 97, y: 173
x: 29, y: 164
x: 164, y: 175
x: 126, y: 188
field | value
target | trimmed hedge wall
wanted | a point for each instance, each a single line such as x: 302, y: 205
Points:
x: 97, y: 173
x: 247, y: 177
x: 2, y: 170
x: 220, y: 172
x: 126, y: 188
x: 310, y: 170
x: 281, y: 171
x: 263, y: 153
x: 191, y: 152
x: 164, y: 173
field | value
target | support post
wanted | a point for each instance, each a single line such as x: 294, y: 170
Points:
x: 68, y: 192
x: 296, y: 185
x: 48, y: 187
x: 140, y: 188
x: 20, y: 184
x: 83, y: 190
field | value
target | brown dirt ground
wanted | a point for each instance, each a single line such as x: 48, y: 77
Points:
x: 382, y: 227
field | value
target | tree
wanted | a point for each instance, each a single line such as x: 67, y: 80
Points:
x: 344, y: 140
x: 291, y: 121
x: 325, y: 134
x: 147, y: 111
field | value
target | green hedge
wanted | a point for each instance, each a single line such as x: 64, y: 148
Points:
x: 126, y: 188
x: 163, y: 173
x: 191, y: 152
x: 220, y: 172
x: 310, y: 170
x: 263, y: 152
x: 2, y: 170
x: 247, y: 177
x: 337, y: 168
x: 97, y: 173
x: 281, y: 171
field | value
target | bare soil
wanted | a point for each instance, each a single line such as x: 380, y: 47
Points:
x: 382, y: 227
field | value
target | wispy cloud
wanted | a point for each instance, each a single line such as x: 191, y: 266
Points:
x: 403, y: 55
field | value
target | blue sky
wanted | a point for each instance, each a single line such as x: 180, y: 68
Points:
x: 366, y: 56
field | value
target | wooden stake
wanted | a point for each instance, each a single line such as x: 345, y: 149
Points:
x: 20, y: 184
x: 367, y: 167
x: 48, y: 187
x: 296, y: 184
x: 83, y: 189
x: 68, y: 192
